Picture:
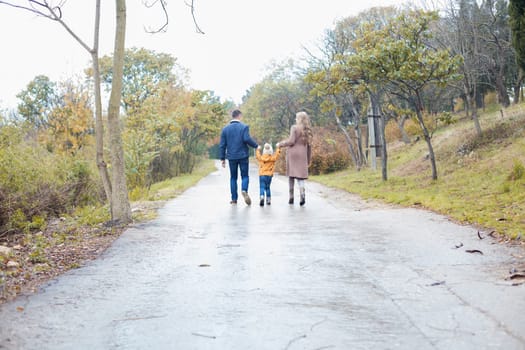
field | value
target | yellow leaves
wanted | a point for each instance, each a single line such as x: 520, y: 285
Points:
x: 70, y: 122
x: 172, y: 124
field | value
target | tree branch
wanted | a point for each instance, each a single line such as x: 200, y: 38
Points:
x: 53, y: 13
x: 31, y: 7
x: 192, y: 7
x: 150, y: 4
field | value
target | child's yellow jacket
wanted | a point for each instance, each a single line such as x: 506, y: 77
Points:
x: 267, y: 162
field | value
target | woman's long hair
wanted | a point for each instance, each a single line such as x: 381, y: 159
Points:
x: 303, y: 124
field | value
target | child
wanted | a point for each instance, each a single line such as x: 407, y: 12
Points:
x: 266, y: 167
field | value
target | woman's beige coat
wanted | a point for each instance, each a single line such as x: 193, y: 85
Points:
x: 297, y: 156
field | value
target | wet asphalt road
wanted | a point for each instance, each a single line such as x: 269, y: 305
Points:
x: 338, y: 273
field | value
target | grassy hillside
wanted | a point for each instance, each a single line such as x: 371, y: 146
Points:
x: 481, y: 179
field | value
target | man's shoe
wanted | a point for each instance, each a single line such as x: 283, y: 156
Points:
x: 233, y: 202
x: 247, y: 198
x: 261, y: 202
x: 290, y: 201
x: 268, y: 201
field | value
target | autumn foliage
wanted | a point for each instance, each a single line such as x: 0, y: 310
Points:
x: 329, y: 153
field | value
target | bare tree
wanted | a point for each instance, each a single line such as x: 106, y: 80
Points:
x: 53, y: 12
x: 458, y: 32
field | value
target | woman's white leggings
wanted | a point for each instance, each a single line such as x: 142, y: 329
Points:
x: 300, y: 183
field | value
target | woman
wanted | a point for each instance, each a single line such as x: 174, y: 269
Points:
x: 298, y: 154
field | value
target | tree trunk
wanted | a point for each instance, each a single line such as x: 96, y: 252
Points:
x: 120, y: 210
x: 348, y: 141
x: 503, y: 96
x: 401, y: 125
x: 360, y: 153
x: 384, y: 155
x: 470, y: 102
x: 359, y: 136
x: 99, y: 123
x: 474, y: 109
x: 517, y: 87
x: 418, y: 107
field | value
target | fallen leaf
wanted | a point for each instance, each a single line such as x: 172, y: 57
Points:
x: 204, y: 335
x: 474, y: 251
x: 19, y: 308
x: 204, y: 265
x: 479, y: 235
x: 515, y: 276
x: 457, y: 246
x: 437, y: 284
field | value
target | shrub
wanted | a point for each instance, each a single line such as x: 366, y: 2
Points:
x: 459, y: 105
x: 329, y: 152
x: 36, y: 184
x: 412, y: 127
x: 392, y: 131
x: 490, y: 98
x: 518, y: 171
x: 494, y: 134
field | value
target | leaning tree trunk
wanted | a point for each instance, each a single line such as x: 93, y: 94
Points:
x: 99, y: 123
x: 359, y: 136
x: 401, y: 126
x: 418, y: 107
x: 384, y: 154
x: 120, y: 210
x: 349, y: 143
x: 503, y: 96
x: 474, y: 108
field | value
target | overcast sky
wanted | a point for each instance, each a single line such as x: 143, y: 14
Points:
x: 241, y: 38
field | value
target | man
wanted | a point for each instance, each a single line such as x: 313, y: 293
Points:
x: 235, y: 139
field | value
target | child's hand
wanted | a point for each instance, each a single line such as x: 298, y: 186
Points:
x: 259, y: 147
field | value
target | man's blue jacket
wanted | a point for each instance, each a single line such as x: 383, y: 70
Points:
x: 235, y: 139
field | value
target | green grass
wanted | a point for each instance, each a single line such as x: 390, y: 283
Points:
x: 484, y: 187
x: 173, y: 187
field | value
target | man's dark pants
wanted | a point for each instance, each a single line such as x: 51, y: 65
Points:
x: 236, y: 164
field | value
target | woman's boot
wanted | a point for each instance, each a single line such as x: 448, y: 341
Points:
x: 291, y: 182
x: 303, y: 196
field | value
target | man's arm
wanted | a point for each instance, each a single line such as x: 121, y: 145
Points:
x: 248, y: 139
x: 222, y: 148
